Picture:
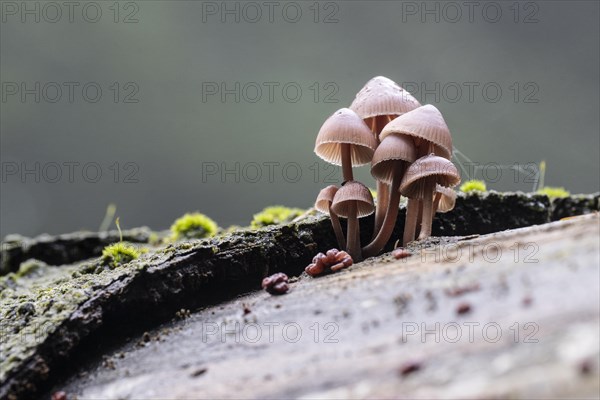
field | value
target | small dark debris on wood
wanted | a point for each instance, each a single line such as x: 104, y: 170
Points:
x: 401, y: 301
x: 276, y: 283
x: 431, y: 301
x: 246, y: 309
x: 332, y: 261
x: 198, y: 372
x: 463, y: 308
x: 409, y: 367
x: 585, y: 367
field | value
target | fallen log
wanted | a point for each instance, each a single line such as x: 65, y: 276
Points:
x: 52, y: 313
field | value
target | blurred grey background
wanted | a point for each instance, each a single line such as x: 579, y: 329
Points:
x: 518, y: 82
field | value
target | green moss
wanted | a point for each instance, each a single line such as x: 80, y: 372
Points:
x: 233, y: 228
x: 474, y: 185
x: 185, y: 246
x: 193, y: 226
x: 554, y: 192
x: 275, y: 215
x: 154, y: 239
x: 118, y: 254
x: 29, y: 267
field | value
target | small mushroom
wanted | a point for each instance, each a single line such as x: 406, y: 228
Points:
x: 390, y: 161
x: 377, y: 103
x: 323, y: 204
x: 428, y: 129
x: 419, y: 183
x: 353, y: 201
x: 344, y: 139
x: 382, y: 100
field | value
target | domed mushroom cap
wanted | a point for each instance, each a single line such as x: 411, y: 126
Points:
x: 448, y: 199
x: 353, y: 191
x: 391, y: 150
x: 325, y: 198
x: 344, y: 126
x: 426, y: 123
x: 428, y: 170
x: 382, y: 96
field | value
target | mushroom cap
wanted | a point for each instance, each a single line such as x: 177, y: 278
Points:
x: 382, y: 96
x: 392, y: 150
x: 344, y: 126
x: 426, y: 123
x: 353, y: 191
x: 325, y: 198
x: 428, y: 169
x: 448, y: 199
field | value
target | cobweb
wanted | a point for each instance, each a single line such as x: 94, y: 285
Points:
x: 531, y: 173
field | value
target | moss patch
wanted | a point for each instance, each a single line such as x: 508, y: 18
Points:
x: 474, y: 185
x: 193, y: 226
x: 275, y: 215
x: 30, y: 267
x: 118, y: 254
x: 554, y: 192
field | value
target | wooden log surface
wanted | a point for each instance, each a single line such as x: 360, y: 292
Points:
x: 507, y: 315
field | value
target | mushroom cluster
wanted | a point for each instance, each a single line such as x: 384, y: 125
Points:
x: 409, y: 147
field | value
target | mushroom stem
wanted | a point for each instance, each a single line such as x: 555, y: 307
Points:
x: 410, y: 223
x: 383, y: 192
x: 353, y: 240
x: 382, y: 206
x: 337, y: 228
x: 427, y: 217
x: 419, y: 220
x: 347, y: 162
x: 374, y: 129
x: 389, y: 222
x: 436, y: 201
